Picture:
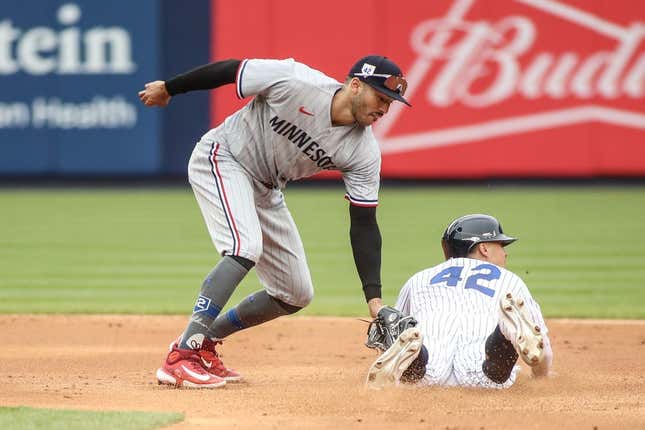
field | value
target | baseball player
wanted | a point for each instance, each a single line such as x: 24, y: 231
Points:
x: 298, y: 123
x: 473, y: 316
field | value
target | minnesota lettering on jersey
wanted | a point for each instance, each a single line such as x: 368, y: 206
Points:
x: 302, y: 140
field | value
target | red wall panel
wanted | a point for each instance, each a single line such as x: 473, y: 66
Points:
x: 499, y: 89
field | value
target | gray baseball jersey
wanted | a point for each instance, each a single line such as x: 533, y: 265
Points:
x: 238, y: 169
x: 457, y: 306
x: 285, y: 132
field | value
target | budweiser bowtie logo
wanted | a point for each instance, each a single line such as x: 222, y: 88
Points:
x: 468, y: 63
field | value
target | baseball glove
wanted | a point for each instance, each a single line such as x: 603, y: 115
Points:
x: 386, y: 328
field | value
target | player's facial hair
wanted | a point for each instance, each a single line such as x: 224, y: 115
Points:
x: 358, y: 105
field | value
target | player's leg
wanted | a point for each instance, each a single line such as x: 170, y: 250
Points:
x: 480, y: 363
x: 255, y: 309
x: 518, y: 326
x: 500, y: 357
x: 521, y: 322
x: 225, y: 196
x: 513, y: 332
x: 282, y: 270
x: 484, y: 359
x: 215, y: 292
x: 389, y: 367
x: 417, y: 369
x: 438, y: 326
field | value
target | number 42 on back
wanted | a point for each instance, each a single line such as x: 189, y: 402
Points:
x: 452, y: 275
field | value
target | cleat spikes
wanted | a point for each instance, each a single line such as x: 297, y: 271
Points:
x: 390, y: 365
x: 526, y: 335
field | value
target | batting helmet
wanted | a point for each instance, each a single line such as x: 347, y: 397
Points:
x: 465, y: 232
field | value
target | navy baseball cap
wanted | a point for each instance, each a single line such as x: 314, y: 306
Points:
x: 381, y: 74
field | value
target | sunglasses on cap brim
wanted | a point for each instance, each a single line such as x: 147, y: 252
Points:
x: 398, y: 84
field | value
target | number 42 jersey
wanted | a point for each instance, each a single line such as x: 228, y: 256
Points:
x: 457, y: 306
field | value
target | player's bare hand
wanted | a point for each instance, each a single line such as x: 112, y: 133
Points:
x: 155, y: 94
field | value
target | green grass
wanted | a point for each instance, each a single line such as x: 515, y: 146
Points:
x: 53, y: 419
x: 581, y: 250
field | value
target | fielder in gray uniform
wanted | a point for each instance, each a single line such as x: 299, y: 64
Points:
x: 298, y: 123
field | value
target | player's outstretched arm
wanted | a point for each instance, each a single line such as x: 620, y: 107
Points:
x: 209, y: 76
x: 365, y: 237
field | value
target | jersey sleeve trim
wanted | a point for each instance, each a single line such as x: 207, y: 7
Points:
x: 238, y: 79
x: 361, y: 202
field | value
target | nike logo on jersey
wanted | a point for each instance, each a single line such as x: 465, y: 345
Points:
x: 302, y: 110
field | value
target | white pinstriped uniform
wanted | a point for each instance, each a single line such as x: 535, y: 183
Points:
x: 237, y: 170
x: 457, y: 306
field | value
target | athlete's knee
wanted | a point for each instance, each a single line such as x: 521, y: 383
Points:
x: 244, y: 262
x: 306, y: 295
x: 286, y: 307
x: 500, y: 357
x: 294, y: 303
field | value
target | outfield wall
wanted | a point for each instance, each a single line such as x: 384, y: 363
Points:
x: 538, y: 88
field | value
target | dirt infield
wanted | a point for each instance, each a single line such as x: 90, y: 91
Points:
x: 304, y: 372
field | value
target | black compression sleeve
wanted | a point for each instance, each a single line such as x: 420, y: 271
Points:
x: 366, y: 246
x: 204, y: 77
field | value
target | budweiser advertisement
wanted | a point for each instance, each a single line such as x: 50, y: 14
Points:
x: 507, y: 88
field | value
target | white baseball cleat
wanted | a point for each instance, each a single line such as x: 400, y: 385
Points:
x: 389, y: 366
x: 525, y: 335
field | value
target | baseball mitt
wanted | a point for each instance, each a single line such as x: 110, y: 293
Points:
x: 386, y: 328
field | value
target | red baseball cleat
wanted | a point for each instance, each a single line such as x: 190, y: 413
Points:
x: 183, y: 368
x: 213, y: 363
x: 210, y: 359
